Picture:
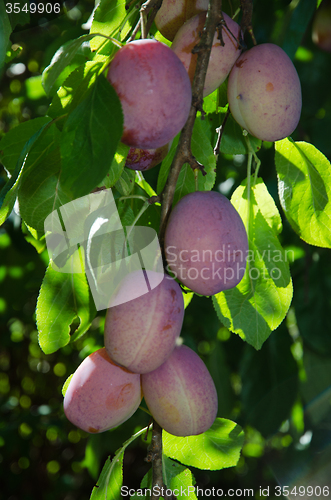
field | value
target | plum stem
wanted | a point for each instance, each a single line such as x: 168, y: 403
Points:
x: 183, y: 153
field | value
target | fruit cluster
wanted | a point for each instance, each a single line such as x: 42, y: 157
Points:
x: 264, y: 91
x: 142, y: 355
x: 205, y: 241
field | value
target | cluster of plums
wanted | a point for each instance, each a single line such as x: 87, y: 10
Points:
x: 205, y: 240
x: 142, y: 356
x: 154, y: 81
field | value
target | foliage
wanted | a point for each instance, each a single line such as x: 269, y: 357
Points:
x: 266, y: 342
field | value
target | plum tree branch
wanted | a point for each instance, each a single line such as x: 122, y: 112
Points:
x: 183, y: 153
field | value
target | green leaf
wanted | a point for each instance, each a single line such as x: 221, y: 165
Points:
x: 9, y: 191
x: 117, y: 166
x: 68, y: 57
x: 267, y: 401
x: 255, y: 307
x: 65, y: 308
x: 5, y: 31
x: 178, y: 479
x: 40, y: 190
x: 108, y: 20
x: 304, y: 186
x: 233, y: 142
x: 90, y: 138
x: 75, y: 89
x: 297, y: 27
x: 14, y: 141
x: 215, y: 449
x: 125, y: 183
x: 110, y: 480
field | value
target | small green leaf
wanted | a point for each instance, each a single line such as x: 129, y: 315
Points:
x: 40, y: 189
x: 117, y: 166
x: 5, y: 32
x: 110, y: 480
x: 257, y: 306
x: 74, y: 89
x: 178, y: 479
x: 108, y: 20
x: 297, y: 26
x: 215, y: 449
x: 65, y: 60
x: 125, y: 183
x: 233, y: 142
x: 304, y: 186
x: 9, y: 192
x: 14, y: 141
x: 90, y: 138
x: 64, y: 301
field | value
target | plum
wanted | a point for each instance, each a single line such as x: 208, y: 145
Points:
x: 264, y: 92
x: 155, y: 93
x: 181, y: 394
x: 206, y: 243
x: 173, y: 14
x: 140, y: 334
x: 222, y: 58
x: 101, y: 395
x: 321, y: 30
x: 145, y: 159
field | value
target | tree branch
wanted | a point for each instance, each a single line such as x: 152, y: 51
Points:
x: 183, y: 153
x: 246, y: 20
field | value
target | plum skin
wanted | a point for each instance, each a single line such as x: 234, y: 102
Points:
x: 154, y: 90
x: 145, y: 159
x: 222, y: 58
x: 173, y: 14
x: 101, y: 395
x: 181, y: 394
x: 206, y: 243
x: 141, y: 334
x: 264, y: 93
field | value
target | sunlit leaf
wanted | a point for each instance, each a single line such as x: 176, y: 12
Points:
x: 66, y: 59
x: 215, y: 449
x: 304, y: 186
x: 255, y: 307
x: 110, y: 480
x: 65, y: 308
x: 26, y: 156
x: 90, y: 138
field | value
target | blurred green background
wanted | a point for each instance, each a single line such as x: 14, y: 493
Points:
x: 281, y: 395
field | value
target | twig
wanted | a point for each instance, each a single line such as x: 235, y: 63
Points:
x: 183, y: 153
x: 246, y: 20
x: 145, y: 21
